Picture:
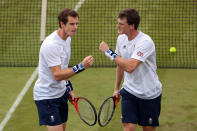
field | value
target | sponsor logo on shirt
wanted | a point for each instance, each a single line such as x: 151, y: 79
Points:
x: 140, y: 54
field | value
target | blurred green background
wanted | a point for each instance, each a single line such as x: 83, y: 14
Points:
x: 168, y: 22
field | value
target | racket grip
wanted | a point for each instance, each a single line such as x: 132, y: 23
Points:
x: 75, y: 104
x: 115, y: 101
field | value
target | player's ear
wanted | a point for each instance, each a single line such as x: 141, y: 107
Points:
x: 62, y: 24
x: 132, y: 27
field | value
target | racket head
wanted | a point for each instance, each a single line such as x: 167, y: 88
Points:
x: 85, y: 110
x: 106, y: 110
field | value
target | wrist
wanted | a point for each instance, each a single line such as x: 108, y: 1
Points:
x: 111, y: 54
x: 78, y: 68
x: 69, y: 86
x: 116, y: 88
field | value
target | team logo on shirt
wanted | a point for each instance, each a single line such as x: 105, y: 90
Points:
x: 52, y: 119
x: 140, y: 54
x: 124, y: 46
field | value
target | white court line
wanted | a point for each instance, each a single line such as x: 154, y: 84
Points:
x: 79, y: 5
x: 26, y: 87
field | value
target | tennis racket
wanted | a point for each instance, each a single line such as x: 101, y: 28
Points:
x: 106, y: 110
x: 85, y: 110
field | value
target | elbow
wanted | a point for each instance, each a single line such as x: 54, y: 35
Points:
x: 130, y: 69
x: 57, y: 78
x: 130, y: 66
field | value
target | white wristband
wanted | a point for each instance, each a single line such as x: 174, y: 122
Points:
x: 110, y: 54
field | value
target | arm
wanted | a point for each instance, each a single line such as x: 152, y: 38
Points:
x: 60, y: 74
x: 64, y: 74
x: 126, y: 65
x: 70, y: 90
x: 119, y: 76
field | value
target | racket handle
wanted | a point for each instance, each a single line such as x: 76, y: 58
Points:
x: 75, y: 105
x: 115, y: 101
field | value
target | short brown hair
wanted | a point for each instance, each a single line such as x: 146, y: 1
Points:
x: 132, y: 16
x: 63, y: 15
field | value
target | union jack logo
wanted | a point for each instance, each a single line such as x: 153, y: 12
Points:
x: 140, y: 54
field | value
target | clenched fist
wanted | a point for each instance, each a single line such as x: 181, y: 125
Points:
x: 88, y: 61
x: 103, y: 47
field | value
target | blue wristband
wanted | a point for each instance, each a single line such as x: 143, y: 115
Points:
x: 78, y: 68
x: 69, y: 86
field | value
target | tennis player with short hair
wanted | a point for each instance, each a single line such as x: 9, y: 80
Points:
x: 135, y: 58
x: 53, y: 87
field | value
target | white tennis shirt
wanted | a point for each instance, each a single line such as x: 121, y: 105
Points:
x: 54, y: 51
x: 143, y: 82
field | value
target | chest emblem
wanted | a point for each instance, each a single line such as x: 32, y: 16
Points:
x: 140, y: 54
x: 124, y: 46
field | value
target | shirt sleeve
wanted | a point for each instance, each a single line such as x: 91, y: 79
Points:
x: 51, y: 55
x: 143, y: 50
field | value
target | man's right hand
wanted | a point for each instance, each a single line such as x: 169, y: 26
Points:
x: 116, y: 94
x: 103, y: 47
x: 88, y: 61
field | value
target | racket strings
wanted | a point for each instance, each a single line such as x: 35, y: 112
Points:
x: 107, y: 111
x: 86, y: 111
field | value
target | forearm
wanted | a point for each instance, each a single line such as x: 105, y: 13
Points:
x: 126, y: 65
x: 119, y: 76
x: 63, y: 74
